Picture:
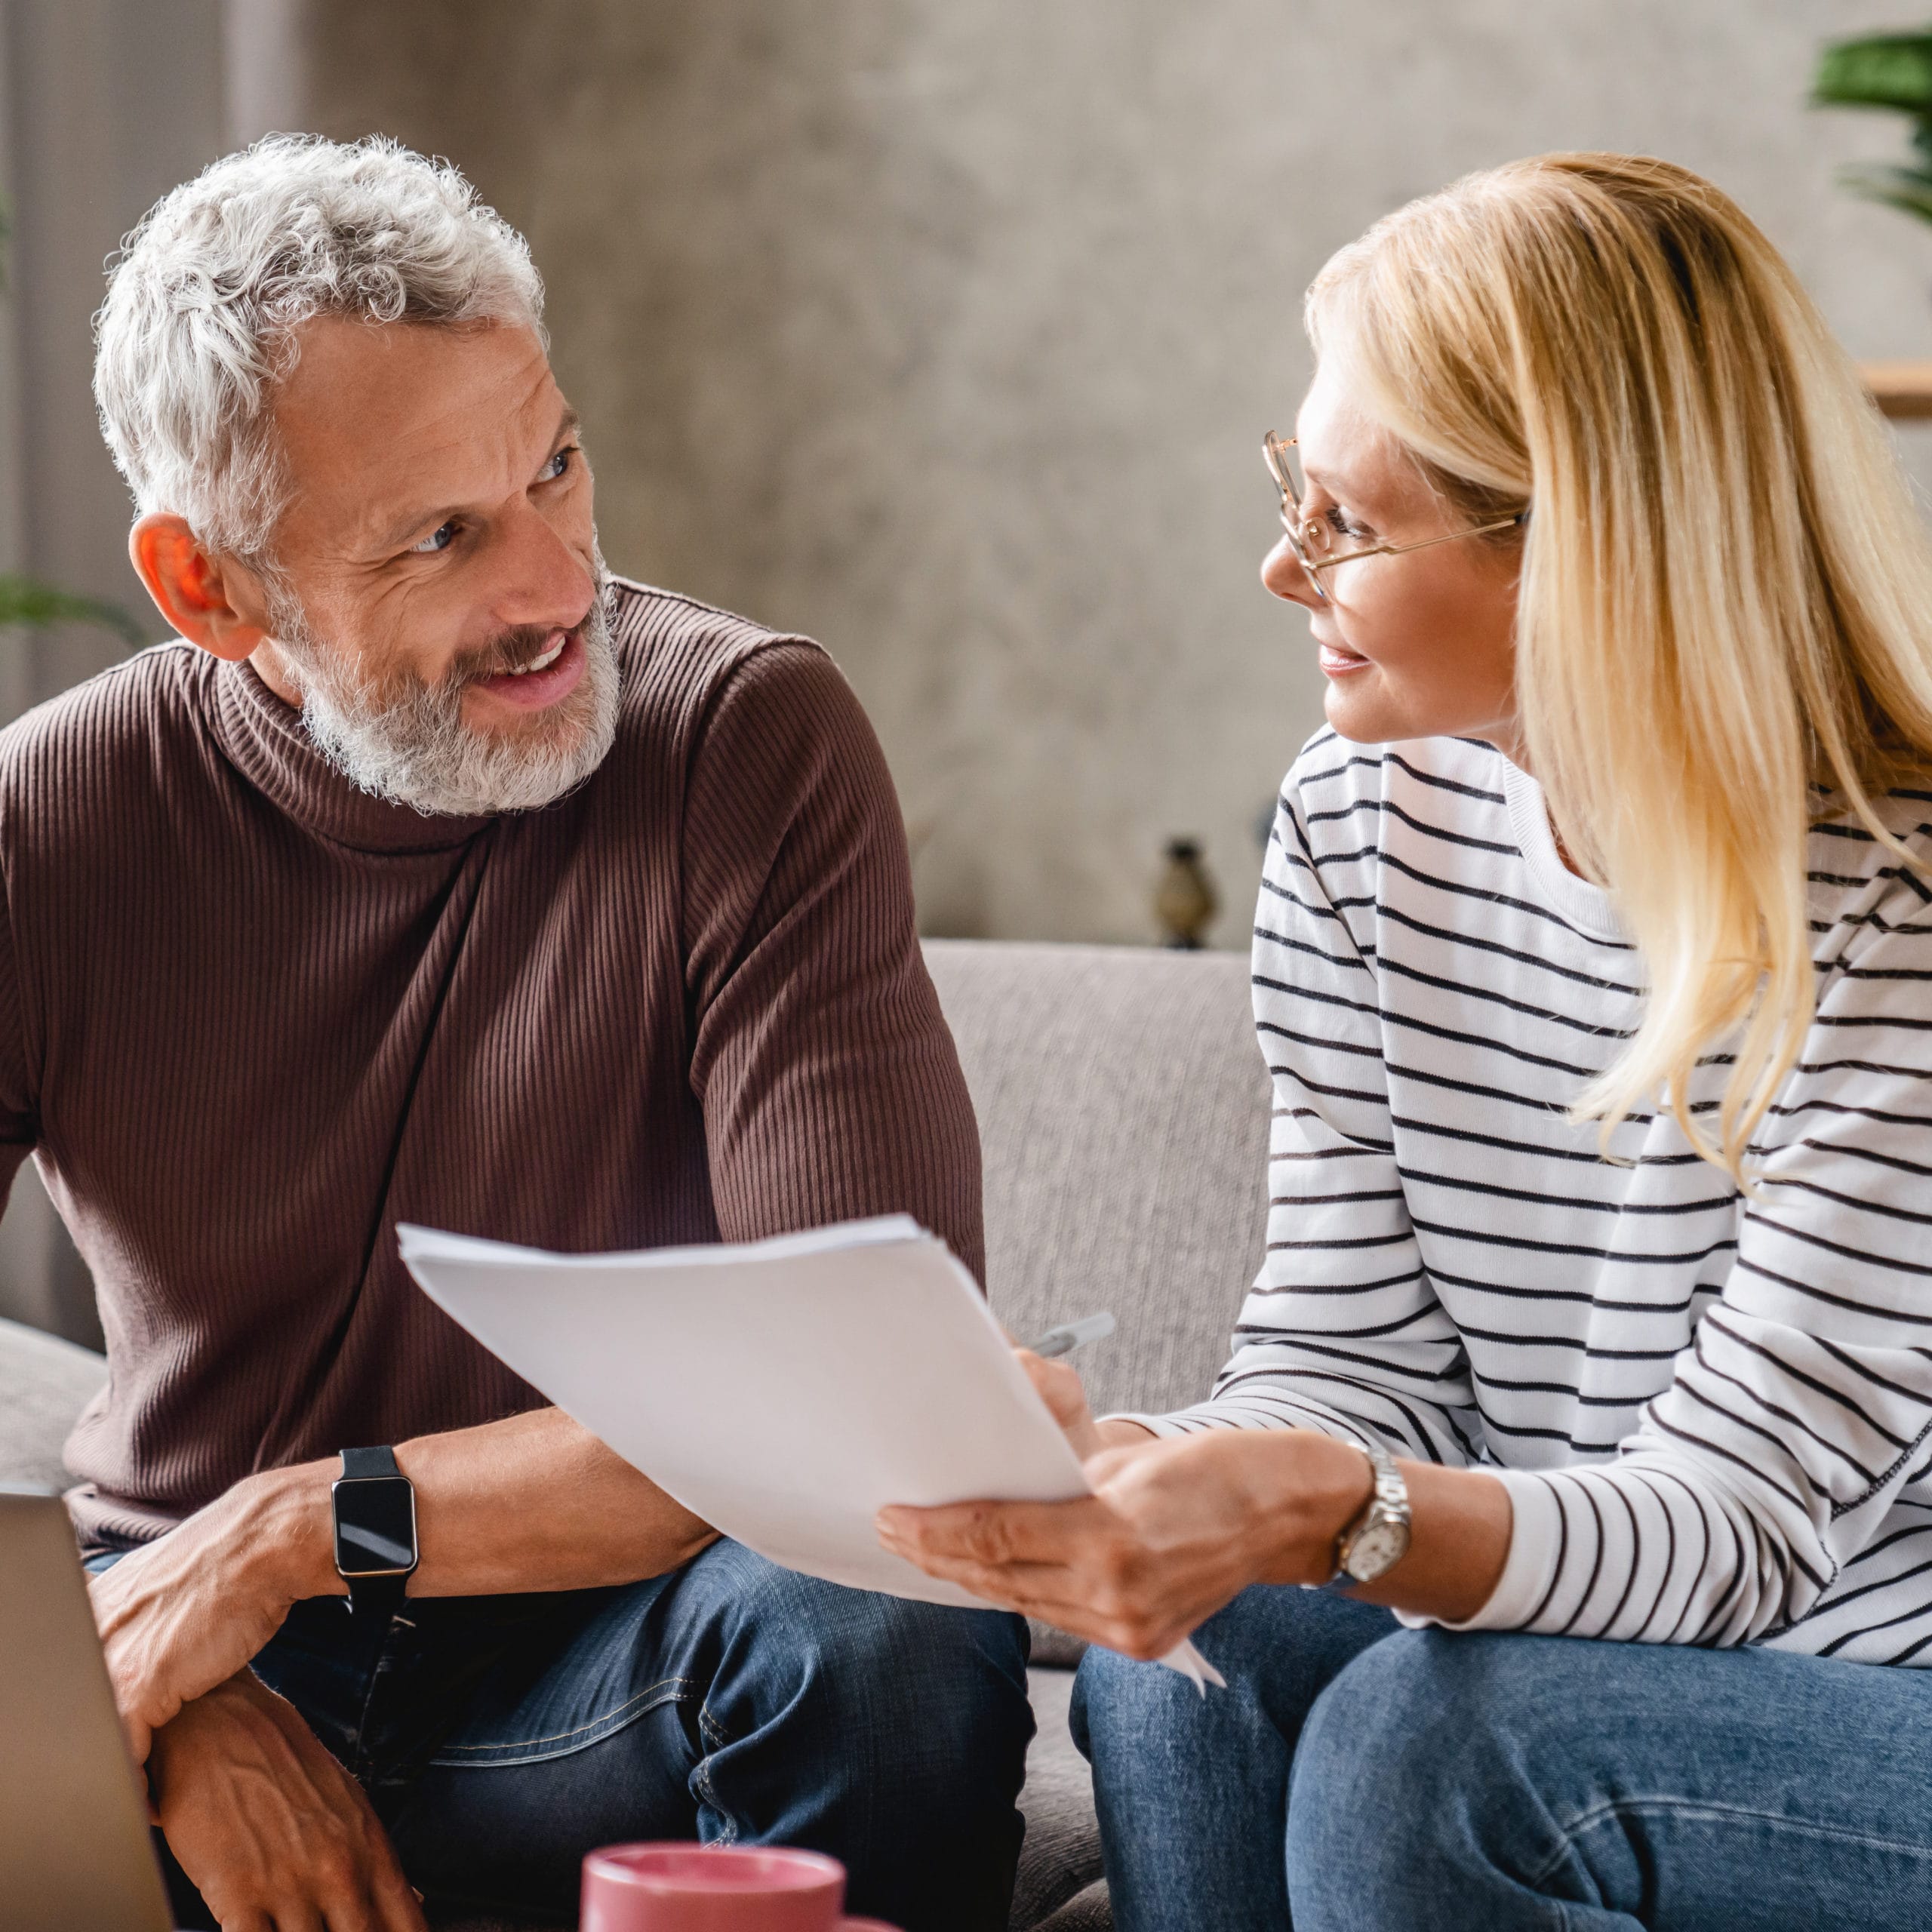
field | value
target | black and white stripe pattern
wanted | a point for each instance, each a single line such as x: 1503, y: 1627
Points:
x: 1714, y: 1415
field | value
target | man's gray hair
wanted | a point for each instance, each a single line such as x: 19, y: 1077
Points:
x: 203, y: 304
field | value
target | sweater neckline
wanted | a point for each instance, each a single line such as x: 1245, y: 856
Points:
x: 1586, y: 906
x: 270, y: 747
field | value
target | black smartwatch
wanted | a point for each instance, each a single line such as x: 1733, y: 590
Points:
x: 375, y: 1530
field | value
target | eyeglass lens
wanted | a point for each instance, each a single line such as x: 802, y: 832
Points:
x: 1312, y: 538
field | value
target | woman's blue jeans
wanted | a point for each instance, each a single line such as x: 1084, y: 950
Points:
x: 501, y: 1738
x: 1355, y: 1774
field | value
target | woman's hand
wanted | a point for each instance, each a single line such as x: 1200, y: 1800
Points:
x: 1058, y: 1385
x: 1059, y: 1388
x: 1175, y: 1529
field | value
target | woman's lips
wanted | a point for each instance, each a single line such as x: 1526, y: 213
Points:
x: 531, y: 691
x: 1337, y: 662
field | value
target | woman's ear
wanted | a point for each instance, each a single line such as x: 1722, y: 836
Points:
x: 197, y: 592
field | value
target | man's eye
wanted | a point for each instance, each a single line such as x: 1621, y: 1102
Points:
x: 557, y: 465
x: 440, y: 538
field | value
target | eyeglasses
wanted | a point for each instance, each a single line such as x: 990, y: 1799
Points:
x: 1313, y: 540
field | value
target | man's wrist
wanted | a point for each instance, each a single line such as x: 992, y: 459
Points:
x: 289, y: 1521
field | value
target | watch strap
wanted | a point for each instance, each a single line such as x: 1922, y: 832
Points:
x: 1388, y: 1499
x: 359, y: 1465
x: 378, y: 1598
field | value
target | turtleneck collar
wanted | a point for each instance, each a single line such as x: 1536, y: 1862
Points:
x: 266, y: 740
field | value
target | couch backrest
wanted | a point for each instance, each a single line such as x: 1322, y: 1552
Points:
x: 1123, y: 1109
x: 44, y: 1383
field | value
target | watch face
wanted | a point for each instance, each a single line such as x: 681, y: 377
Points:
x: 1377, y: 1547
x: 375, y: 1526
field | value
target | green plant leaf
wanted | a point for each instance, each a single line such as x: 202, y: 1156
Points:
x: 25, y: 600
x: 1893, y: 70
x: 1908, y: 190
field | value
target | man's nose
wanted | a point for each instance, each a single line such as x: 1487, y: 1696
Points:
x: 1281, y: 571
x: 542, y: 580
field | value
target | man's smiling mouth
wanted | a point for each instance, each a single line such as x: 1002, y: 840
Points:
x: 544, y: 659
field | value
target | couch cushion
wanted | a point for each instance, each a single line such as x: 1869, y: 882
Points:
x: 1060, y: 1860
x: 44, y: 1383
x: 1123, y: 1109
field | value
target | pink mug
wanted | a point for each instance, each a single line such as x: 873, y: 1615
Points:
x: 715, y: 1888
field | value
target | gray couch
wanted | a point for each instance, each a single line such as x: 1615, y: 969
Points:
x: 1124, y: 1112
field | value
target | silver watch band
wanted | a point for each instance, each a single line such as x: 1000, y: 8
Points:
x: 1378, y: 1539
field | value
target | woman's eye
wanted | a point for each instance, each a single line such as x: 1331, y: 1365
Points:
x: 1340, y: 524
x: 440, y: 538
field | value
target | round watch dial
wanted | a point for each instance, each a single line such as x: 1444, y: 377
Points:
x: 1376, y: 1547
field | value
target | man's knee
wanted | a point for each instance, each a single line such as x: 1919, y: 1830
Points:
x: 883, y: 1665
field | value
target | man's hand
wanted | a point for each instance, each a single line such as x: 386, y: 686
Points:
x: 534, y: 1502
x: 273, y: 1832
x: 1174, y: 1529
x: 185, y: 1612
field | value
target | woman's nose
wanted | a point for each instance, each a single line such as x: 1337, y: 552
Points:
x: 1281, y: 571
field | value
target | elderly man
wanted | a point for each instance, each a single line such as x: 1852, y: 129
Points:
x: 434, y: 873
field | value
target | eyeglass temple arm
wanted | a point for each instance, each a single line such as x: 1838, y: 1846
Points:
x: 1401, y: 550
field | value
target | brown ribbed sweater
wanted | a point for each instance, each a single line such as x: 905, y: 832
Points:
x: 250, y: 1018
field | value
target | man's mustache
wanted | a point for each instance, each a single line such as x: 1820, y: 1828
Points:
x: 508, y: 650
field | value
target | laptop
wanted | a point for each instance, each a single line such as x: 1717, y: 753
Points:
x: 76, y: 1855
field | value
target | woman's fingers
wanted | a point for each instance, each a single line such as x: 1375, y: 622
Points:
x: 992, y: 1534
x: 1059, y: 1387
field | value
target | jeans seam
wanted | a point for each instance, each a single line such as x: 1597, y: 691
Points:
x: 1611, y: 1808
x: 605, y: 1724
x: 362, y: 1767
x: 718, y: 1737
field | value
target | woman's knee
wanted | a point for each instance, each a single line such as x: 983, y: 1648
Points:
x: 1277, y: 1648
x: 1449, y: 1733
x: 1419, y: 1705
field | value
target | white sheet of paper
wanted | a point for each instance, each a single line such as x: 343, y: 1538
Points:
x: 784, y: 1391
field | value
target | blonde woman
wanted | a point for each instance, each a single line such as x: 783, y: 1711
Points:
x: 1591, y: 1365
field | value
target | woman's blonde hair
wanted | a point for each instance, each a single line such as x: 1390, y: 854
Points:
x: 1726, y: 590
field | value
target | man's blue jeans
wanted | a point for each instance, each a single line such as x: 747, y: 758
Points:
x: 1354, y: 1774
x: 501, y: 1738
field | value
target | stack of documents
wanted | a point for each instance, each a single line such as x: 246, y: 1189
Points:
x: 785, y: 1391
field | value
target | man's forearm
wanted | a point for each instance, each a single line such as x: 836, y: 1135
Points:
x: 536, y: 1502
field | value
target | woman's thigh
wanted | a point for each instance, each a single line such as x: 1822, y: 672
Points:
x: 1503, y: 1782
x: 1191, y: 1791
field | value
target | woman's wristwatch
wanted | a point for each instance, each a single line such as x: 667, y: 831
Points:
x: 1378, y: 1539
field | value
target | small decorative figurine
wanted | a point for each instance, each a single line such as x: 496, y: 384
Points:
x: 1185, y: 901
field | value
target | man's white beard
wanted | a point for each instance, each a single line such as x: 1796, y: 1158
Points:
x: 416, y: 749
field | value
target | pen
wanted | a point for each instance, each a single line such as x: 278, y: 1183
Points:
x: 1071, y: 1335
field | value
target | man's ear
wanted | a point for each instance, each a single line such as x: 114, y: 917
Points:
x: 197, y: 592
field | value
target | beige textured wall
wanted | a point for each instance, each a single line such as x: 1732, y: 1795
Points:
x: 946, y: 329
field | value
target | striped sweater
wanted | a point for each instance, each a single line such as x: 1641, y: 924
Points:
x: 1713, y: 1414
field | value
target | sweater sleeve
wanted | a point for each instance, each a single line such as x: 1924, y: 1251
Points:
x: 830, y: 1086
x: 1749, y: 1495
x: 1342, y: 1331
